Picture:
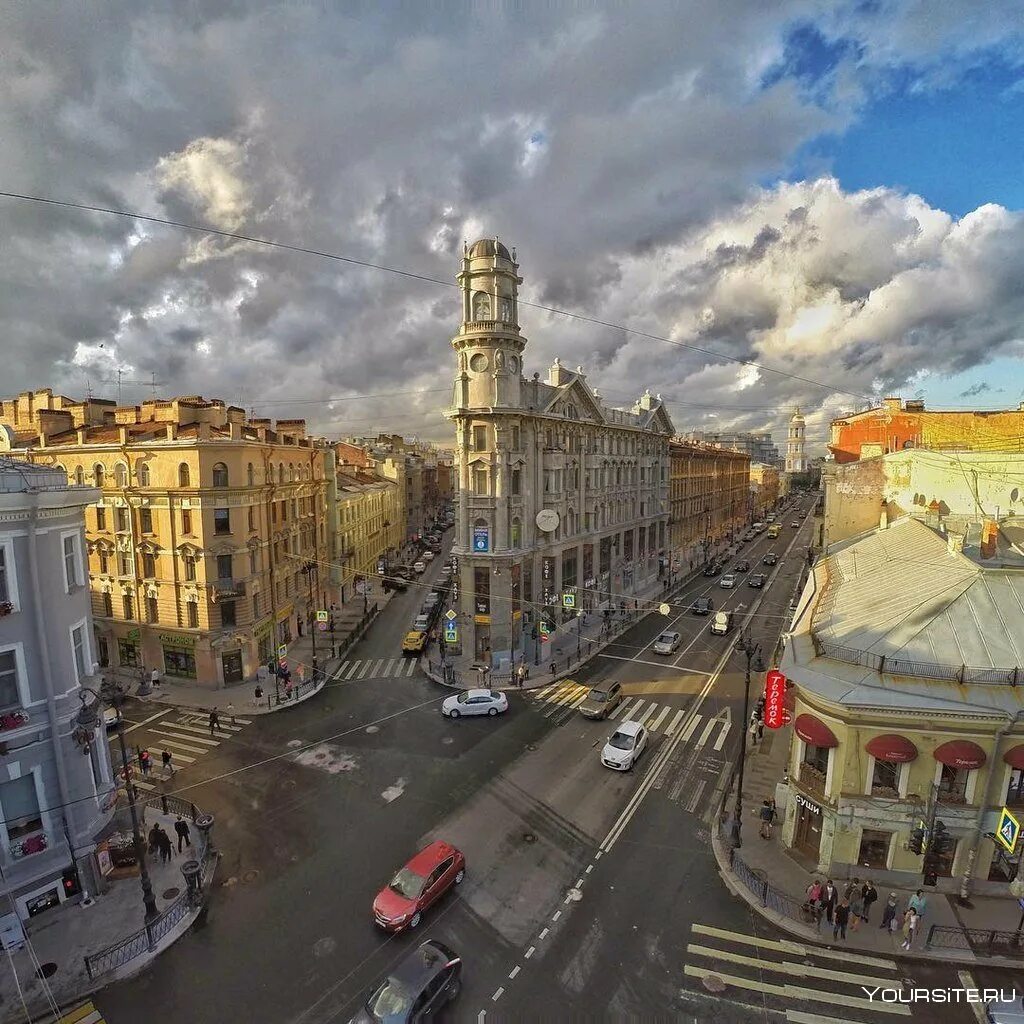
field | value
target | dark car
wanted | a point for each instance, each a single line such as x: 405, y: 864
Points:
x: 601, y: 701
x: 743, y: 566
x: 394, y: 583
x: 756, y: 580
x: 419, y: 985
x: 702, y: 606
x: 713, y: 569
x: 770, y: 559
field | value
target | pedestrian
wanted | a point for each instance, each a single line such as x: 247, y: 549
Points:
x: 153, y: 839
x: 765, y: 815
x: 288, y: 688
x: 154, y: 677
x: 231, y: 712
x: 813, y: 892
x: 850, y: 887
x: 910, y: 923
x: 257, y: 696
x: 165, y: 758
x: 829, y: 899
x: 164, y: 844
x: 146, y: 761
x: 554, y: 671
x: 856, y: 909
x: 214, y: 720
x: 842, y: 917
x: 889, y: 913
x: 181, y: 828
x: 870, y: 894
x: 752, y: 730
x: 918, y: 902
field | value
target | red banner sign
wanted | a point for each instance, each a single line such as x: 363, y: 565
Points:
x: 774, y: 699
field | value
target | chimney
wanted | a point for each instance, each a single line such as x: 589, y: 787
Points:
x: 989, y: 536
x: 172, y: 431
x: 235, y: 430
x: 81, y: 432
x: 891, y: 404
x: 122, y: 434
x: 955, y: 543
x: 883, y: 518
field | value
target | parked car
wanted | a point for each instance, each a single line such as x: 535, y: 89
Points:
x: 795, y: 524
x: 111, y: 717
x: 475, y: 702
x: 402, y: 571
x: 1008, y: 1010
x: 422, y: 622
x: 427, y: 556
x: 712, y: 569
x: 743, y: 566
x: 422, y: 982
x: 431, y: 599
x: 414, y: 642
x: 667, y: 643
x: 624, y: 746
x: 721, y: 623
x: 419, y: 568
x: 756, y: 580
x: 395, y: 583
x: 427, y: 877
x: 702, y: 606
x: 770, y: 559
x: 728, y: 581
x: 602, y: 700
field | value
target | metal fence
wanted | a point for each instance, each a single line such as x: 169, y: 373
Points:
x: 980, y: 941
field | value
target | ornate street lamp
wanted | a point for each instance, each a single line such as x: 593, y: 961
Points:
x: 750, y: 651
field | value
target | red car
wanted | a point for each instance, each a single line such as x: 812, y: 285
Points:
x: 423, y: 881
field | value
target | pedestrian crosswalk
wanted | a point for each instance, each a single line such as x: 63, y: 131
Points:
x: 185, y: 735
x: 84, y: 1014
x: 806, y: 983
x: 560, y: 700
x: 375, y: 668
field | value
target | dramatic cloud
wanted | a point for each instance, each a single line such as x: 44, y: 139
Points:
x: 620, y: 152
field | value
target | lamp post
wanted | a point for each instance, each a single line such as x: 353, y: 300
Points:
x: 87, y: 720
x: 579, y: 627
x: 308, y: 570
x: 750, y: 650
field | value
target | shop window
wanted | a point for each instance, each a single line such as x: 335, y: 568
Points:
x: 1004, y: 867
x: 101, y: 518
x: 104, y: 652
x: 20, y: 803
x: 942, y: 864
x: 1015, y: 791
x: 874, y: 849
x: 220, y: 475
x: 192, y: 614
x: 885, y: 779
x: 146, y: 519
x: 186, y: 520
x: 953, y: 784
x: 179, y: 663
x: 228, y: 615
x: 221, y: 521
x: 127, y: 654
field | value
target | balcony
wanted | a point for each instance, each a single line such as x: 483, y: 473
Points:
x: 12, y: 719
x: 37, y: 842
x: 226, y: 589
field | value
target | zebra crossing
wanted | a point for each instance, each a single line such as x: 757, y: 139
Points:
x: 374, y: 668
x: 792, y: 978
x: 84, y: 1014
x: 562, y: 699
x: 186, y: 737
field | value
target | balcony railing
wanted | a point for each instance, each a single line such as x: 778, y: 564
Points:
x: 37, y: 842
x: 225, y: 589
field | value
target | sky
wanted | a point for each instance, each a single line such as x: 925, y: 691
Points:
x: 812, y: 203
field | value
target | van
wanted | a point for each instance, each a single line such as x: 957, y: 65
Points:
x: 721, y: 623
x: 775, y: 530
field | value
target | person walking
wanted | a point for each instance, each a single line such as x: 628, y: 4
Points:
x: 842, y: 918
x: 146, y: 761
x: 813, y: 892
x: 164, y: 843
x: 851, y: 887
x: 889, y: 913
x: 154, y: 678
x: 856, y: 909
x: 870, y: 894
x: 911, y: 920
x: 182, y: 832
x: 257, y: 696
x: 918, y: 902
x: 165, y: 759
x: 829, y: 899
x: 214, y: 720
x: 765, y: 815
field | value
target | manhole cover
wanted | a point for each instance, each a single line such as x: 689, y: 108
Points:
x: 251, y: 875
x: 529, y: 837
x: 47, y: 970
x: 323, y: 947
x: 713, y: 983
x: 169, y: 894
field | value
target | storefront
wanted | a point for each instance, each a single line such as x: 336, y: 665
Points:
x: 179, y: 655
x: 263, y: 634
x: 128, y: 654
x: 284, y: 625
x: 807, y: 834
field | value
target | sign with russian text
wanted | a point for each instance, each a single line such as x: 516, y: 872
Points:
x: 480, y: 538
x: 774, y: 699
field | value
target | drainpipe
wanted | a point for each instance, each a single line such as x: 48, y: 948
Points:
x: 965, y: 882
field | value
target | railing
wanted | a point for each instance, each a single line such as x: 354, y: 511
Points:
x: 981, y: 941
x: 226, y: 588
x: 768, y: 895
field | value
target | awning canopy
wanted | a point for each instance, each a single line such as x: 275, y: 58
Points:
x: 891, y: 747
x: 960, y: 754
x: 1014, y: 757
x: 814, y: 731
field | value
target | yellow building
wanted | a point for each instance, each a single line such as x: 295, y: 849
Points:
x: 906, y: 653
x: 204, y: 549
x: 368, y: 527
x: 764, y: 489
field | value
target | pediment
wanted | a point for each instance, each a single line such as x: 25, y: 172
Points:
x: 578, y: 394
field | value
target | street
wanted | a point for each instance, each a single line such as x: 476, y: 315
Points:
x: 587, y: 891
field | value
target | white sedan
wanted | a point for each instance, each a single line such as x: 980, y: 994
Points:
x: 419, y: 568
x: 624, y: 746
x: 428, y: 555
x: 475, y: 702
x: 727, y: 582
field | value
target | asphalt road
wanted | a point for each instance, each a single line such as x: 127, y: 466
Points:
x: 588, y: 893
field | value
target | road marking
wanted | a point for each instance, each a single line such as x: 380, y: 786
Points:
x: 578, y: 701
x: 634, y: 711
x: 691, y: 725
x: 350, y: 670
x: 365, y: 669
x: 512, y: 974
x: 575, y: 693
x: 708, y: 730
x: 480, y: 1016
x: 185, y: 736
x: 698, y: 792
x: 786, y: 946
x: 530, y: 952
x: 180, y: 746
x: 139, y: 784
x: 392, y: 793
x: 968, y: 982
x: 184, y: 746
x: 224, y: 730
x: 598, y: 855
x: 543, y: 934
x: 590, y: 867
x: 412, y: 667
x: 557, y: 915
x: 656, y: 664
x: 152, y: 718
x: 497, y: 995
x: 661, y: 718
x: 643, y: 718
x: 799, y: 1017
x: 674, y: 724
x: 389, y: 667
x: 631, y: 704
x: 720, y: 742
x: 795, y: 969
x: 376, y: 668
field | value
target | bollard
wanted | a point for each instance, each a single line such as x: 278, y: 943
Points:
x: 204, y: 822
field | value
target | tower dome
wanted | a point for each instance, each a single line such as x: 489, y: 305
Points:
x: 489, y: 247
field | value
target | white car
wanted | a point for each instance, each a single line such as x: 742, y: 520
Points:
x: 728, y: 581
x: 428, y: 555
x: 421, y: 623
x: 624, y: 746
x: 667, y: 643
x: 475, y: 702
x: 419, y: 568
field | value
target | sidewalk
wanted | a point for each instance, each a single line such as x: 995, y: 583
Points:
x: 60, y: 938
x: 759, y: 861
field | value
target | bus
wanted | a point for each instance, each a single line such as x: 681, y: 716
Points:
x: 775, y: 530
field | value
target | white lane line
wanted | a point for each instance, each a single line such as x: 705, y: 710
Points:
x: 497, y: 995
x: 656, y: 664
x: 698, y: 792
x: 152, y: 718
x: 223, y: 730
x: 674, y: 724
x: 661, y: 718
x: 139, y: 784
x: 186, y: 737
x: 720, y: 742
x: 968, y: 982
x: 708, y: 730
x: 412, y: 667
x: 530, y: 952
x: 350, y: 671
x: 512, y: 974
x: 690, y: 726
x: 556, y: 915
x: 365, y: 669
x: 543, y: 934
x: 795, y: 948
x: 598, y: 855
x: 579, y: 883
x: 590, y: 867
x: 480, y: 1017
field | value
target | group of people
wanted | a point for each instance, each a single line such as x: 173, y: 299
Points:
x: 160, y: 841
x: 853, y: 908
x: 146, y: 762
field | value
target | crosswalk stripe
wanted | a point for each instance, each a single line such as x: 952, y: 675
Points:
x: 640, y: 719
x: 84, y: 1014
x: 351, y: 667
x: 626, y: 708
x: 790, y: 967
x: 139, y: 784
x: 183, y: 746
x: 225, y: 730
x: 720, y: 742
x: 691, y: 725
x: 674, y: 724
x: 182, y: 757
x: 799, y: 1017
x: 708, y: 729
x: 661, y: 718
x: 376, y: 668
x: 578, y: 701
x: 186, y: 736
x: 570, y: 694
x: 365, y: 669
x: 545, y: 692
x: 412, y: 667
x: 797, y: 991
x: 392, y: 665
x: 632, y: 713
x: 796, y: 948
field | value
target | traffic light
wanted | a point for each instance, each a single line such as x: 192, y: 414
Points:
x: 942, y: 842
x: 917, y: 837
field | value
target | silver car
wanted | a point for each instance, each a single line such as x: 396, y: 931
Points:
x: 728, y: 581
x: 1006, y: 1011
x: 667, y: 643
x: 475, y: 702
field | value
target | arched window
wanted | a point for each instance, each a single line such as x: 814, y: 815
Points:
x: 142, y: 473
x: 184, y: 478
x: 517, y: 532
x: 250, y: 474
x: 280, y: 473
x: 481, y: 306
x: 291, y: 472
x: 98, y: 474
x: 61, y: 468
x: 220, y: 475
x: 79, y: 476
x: 121, y: 475
x: 305, y: 472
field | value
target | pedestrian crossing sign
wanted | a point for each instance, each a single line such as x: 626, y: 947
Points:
x: 1008, y: 830
x: 321, y: 615
x: 569, y: 600
x: 451, y: 635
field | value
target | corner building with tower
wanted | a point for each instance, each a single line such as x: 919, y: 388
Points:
x: 558, y: 492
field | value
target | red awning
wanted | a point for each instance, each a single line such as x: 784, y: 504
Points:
x: 1014, y: 757
x: 814, y: 731
x: 891, y: 747
x: 960, y: 754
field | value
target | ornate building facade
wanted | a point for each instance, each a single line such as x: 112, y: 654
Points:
x: 558, y: 493
x: 796, y: 438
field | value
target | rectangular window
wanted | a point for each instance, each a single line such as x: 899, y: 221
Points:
x: 480, y: 481
x: 71, y: 573
x: 152, y: 611
x: 254, y: 561
x: 101, y: 517
x: 104, y: 563
x: 124, y: 564
x: 515, y: 439
x: 221, y: 521
x: 20, y: 804
x: 186, y: 520
x: 252, y: 519
x: 5, y: 568
x: 256, y: 610
x: 482, y: 590
x: 146, y: 519
x: 224, y: 567
x: 10, y: 696
x: 128, y: 606
x: 127, y: 653
x: 273, y: 511
x: 192, y: 614
x: 885, y: 780
x: 1015, y: 792
x: 81, y: 652
x: 227, y: 613
x: 108, y: 605
x: 953, y: 784
x: 121, y: 519
x: 148, y: 565
x: 516, y: 486
x: 190, y: 567
x: 816, y: 758
x: 479, y: 439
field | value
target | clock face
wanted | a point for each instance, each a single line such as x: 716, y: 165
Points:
x: 547, y: 520
x: 478, y: 362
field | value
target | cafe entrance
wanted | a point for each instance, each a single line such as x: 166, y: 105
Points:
x: 807, y: 834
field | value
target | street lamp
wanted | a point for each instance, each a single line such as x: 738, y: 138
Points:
x: 579, y: 626
x: 750, y: 650
x: 308, y: 571
x: 87, y: 720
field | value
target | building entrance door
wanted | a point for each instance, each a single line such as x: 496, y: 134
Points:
x: 807, y: 836
x: 232, y: 662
